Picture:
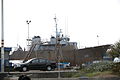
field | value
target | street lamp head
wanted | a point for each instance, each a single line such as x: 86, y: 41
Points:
x: 28, y: 21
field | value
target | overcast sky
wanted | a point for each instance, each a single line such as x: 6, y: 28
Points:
x: 81, y: 20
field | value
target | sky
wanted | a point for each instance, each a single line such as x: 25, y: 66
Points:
x: 87, y: 22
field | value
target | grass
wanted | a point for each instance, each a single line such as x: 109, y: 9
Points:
x: 93, y: 74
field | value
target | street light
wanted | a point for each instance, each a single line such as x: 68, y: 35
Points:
x: 2, y: 37
x: 28, y: 22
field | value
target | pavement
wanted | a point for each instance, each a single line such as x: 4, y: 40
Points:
x: 16, y: 78
x: 113, y: 78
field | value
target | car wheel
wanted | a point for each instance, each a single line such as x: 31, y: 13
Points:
x: 24, y: 68
x: 49, y: 68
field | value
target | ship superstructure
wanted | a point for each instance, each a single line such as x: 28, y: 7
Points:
x: 50, y: 45
x: 64, y: 41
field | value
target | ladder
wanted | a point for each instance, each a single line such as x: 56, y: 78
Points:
x: 29, y: 52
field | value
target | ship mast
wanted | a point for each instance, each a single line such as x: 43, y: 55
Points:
x: 56, y: 26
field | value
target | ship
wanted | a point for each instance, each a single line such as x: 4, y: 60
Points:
x: 57, y: 44
x: 59, y: 47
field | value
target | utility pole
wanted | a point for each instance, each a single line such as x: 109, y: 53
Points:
x: 2, y: 37
x: 57, y: 47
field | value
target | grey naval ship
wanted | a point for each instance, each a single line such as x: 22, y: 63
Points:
x: 60, y: 47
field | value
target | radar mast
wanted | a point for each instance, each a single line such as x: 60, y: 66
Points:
x: 56, y: 26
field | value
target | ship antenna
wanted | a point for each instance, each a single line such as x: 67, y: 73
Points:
x: 56, y: 25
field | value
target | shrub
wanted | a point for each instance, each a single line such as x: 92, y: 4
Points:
x: 99, y: 67
x: 116, y: 67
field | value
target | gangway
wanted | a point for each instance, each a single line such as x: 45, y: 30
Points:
x: 29, y: 52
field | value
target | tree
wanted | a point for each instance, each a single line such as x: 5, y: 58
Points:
x: 114, y: 51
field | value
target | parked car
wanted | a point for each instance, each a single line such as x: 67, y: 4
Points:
x: 36, y: 64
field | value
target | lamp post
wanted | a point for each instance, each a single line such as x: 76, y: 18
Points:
x: 28, y: 22
x: 2, y: 37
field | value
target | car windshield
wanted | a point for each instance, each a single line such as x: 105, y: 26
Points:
x: 28, y: 60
